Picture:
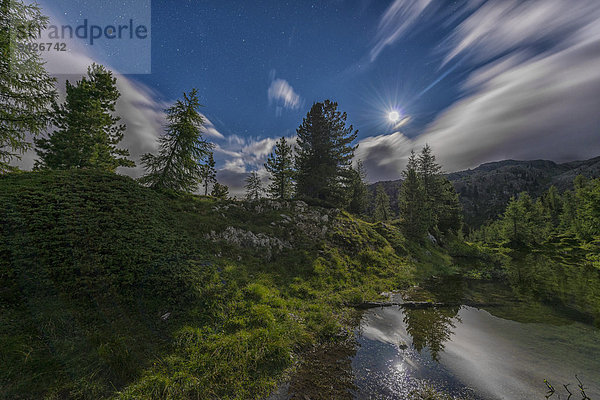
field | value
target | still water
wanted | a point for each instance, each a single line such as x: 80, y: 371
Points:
x: 487, y: 342
x: 502, y: 351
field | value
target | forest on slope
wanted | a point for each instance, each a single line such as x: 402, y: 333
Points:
x: 484, y: 191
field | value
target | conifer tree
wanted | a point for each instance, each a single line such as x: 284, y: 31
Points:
x: 552, y: 202
x: 26, y: 90
x: 515, y: 228
x: 382, y: 205
x: 177, y: 165
x: 430, y: 173
x: 441, y: 210
x: 280, y: 166
x: 449, y: 210
x: 359, y: 194
x: 411, y: 201
x: 324, y: 154
x: 587, y: 208
x: 568, y: 214
x: 591, y: 207
x: 254, y: 189
x: 527, y: 223
x: 208, y: 173
x: 88, y: 132
x: 220, y: 191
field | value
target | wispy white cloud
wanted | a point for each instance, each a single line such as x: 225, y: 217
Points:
x: 250, y: 152
x: 519, y: 102
x: 283, y: 94
x: 144, y: 117
x: 210, y: 130
x: 500, y: 27
x: 397, y: 19
x: 234, y: 139
x: 384, y: 156
x: 235, y: 165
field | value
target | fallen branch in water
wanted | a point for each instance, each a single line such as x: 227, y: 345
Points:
x: 551, y: 391
x: 415, y: 305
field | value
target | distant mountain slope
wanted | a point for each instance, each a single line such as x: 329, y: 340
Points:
x: 485, y: 190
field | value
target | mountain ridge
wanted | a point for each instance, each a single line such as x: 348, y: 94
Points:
x: 484, y: 191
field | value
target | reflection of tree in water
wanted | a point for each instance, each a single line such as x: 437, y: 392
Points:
x: 562, y: 279
x: 431, y: 327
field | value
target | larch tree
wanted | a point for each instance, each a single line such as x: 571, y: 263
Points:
x: 324, y: 154
x: 359, y: 194
x: 178, y: 164
x: 254, y: 188
x: 429, y: 172
x: 450, y: 211
x: 552, y: 202
x: 382, y: 205
x: 441, y: 207
x: 427, y: 200
x: 411, y: 201
x: 208, y: 173
x: 27, y: 91
x: 220, y: 191
x: 515, y: 227
x: 280, y: 166
x: 87, y: 130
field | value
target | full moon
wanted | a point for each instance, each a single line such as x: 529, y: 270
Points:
x: 393, y: 116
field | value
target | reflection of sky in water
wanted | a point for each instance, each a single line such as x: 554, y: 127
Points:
x: 387, y: 367
x: 500, y: 359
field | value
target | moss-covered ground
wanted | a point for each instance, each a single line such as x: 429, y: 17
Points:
x: 112, y: 290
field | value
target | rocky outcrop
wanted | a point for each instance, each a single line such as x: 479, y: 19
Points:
x: 296, y: 217
x: 242, y: 238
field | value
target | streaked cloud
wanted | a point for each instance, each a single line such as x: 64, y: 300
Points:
x: 384, y: 156
x: 235, y: 165
x: 502, y: 27
x: 532, y: 91
x: 282, y: 94
x: 210, y: 130
x: 397, y: 19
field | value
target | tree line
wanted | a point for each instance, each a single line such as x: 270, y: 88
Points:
x: 318, y: 168
x: 85, y: 132
x: 527, y: 222
x: 427, y: 201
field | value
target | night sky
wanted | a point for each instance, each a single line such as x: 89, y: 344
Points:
x: 478, y: 80
x: 233, y: 51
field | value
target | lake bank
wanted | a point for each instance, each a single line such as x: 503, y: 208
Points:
x: 503, y: 352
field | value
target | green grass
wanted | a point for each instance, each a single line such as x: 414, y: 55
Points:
x: 112, y: 290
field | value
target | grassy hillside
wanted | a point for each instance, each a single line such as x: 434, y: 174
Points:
x: 112, y: 290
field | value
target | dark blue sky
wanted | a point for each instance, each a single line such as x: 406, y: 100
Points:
x: 479, y: 80
x: 230, y: 50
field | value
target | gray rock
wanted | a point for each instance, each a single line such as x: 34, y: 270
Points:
x: 248, y: 239
x: 431, y: 238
